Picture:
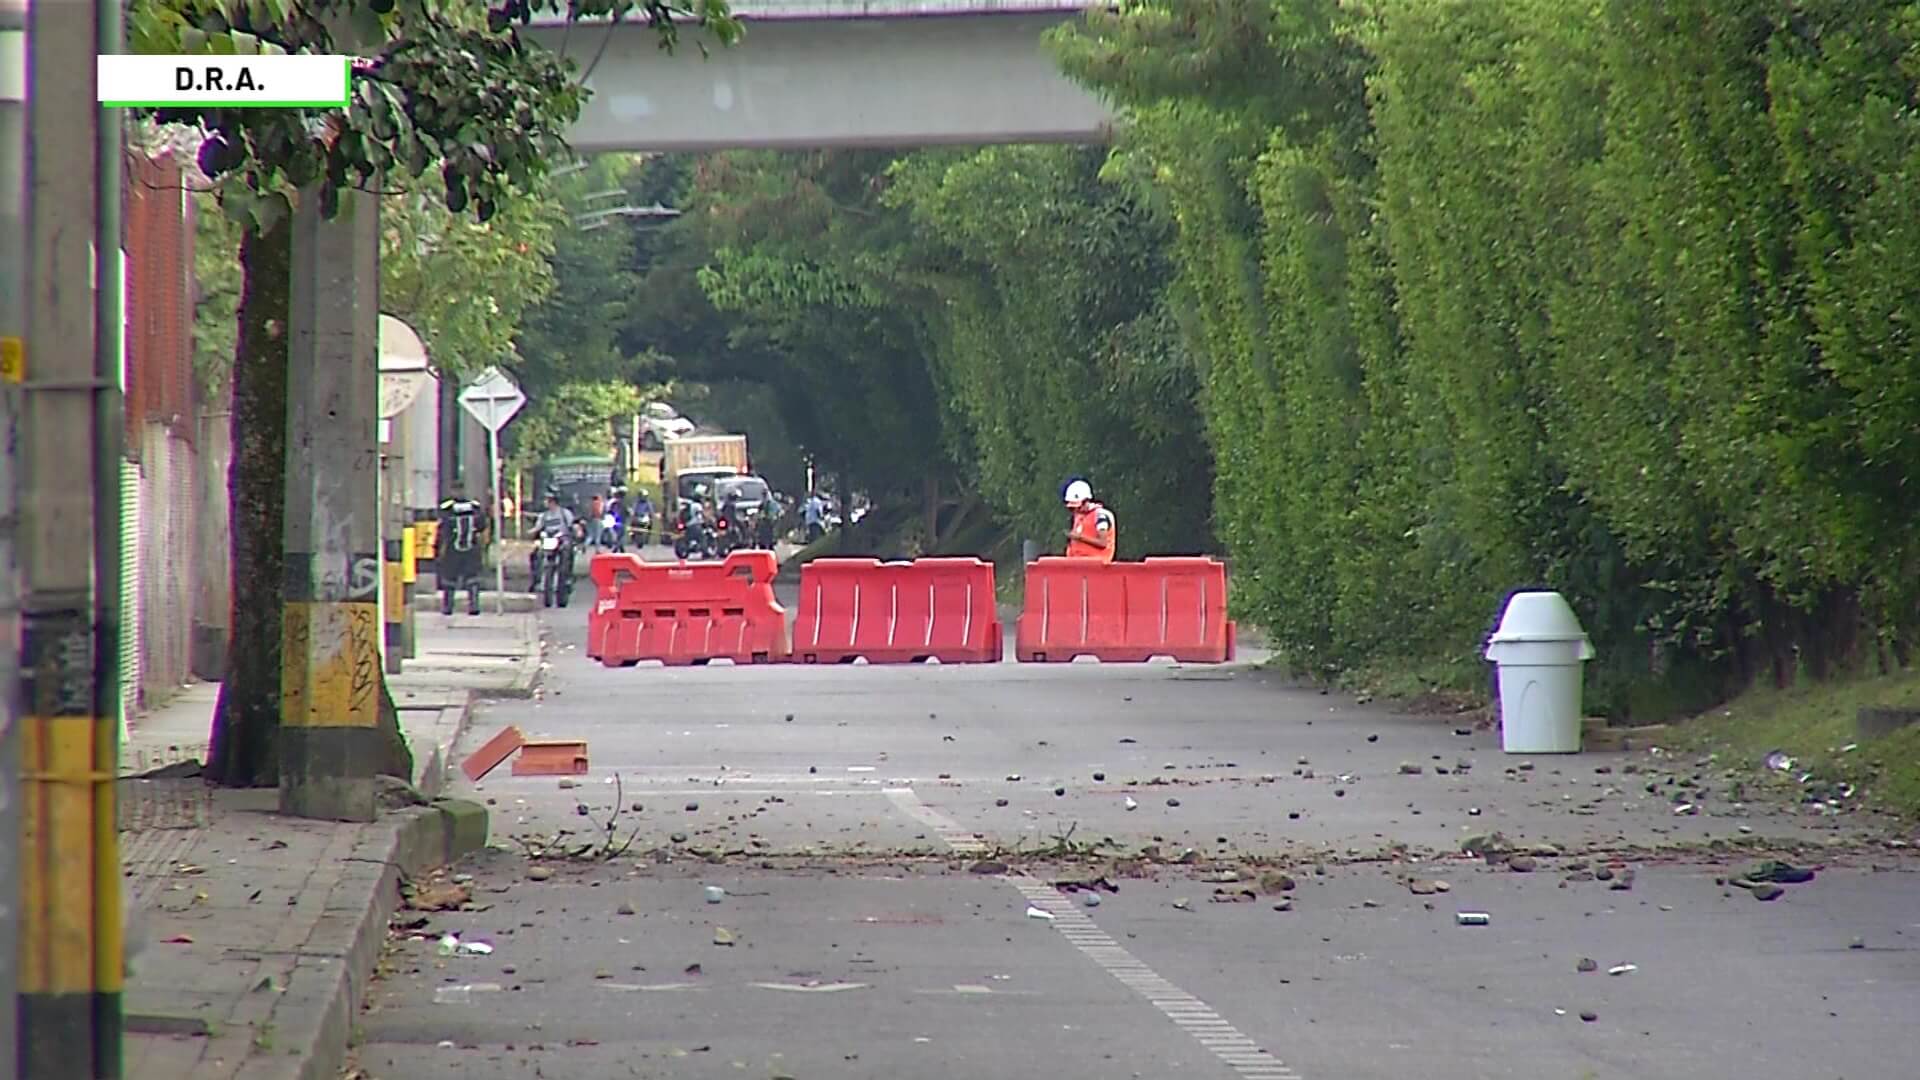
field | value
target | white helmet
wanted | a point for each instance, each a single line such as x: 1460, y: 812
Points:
x: 1078, y: 492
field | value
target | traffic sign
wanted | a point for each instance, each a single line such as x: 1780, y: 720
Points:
x: 492, y: 399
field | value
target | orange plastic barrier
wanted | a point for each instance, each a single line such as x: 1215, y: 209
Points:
x: 1125, y: 612
x: 607, y: 571
x: 897, y: 612
x: 686, y: 613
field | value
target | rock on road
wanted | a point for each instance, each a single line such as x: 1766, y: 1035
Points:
x: 846, y: 813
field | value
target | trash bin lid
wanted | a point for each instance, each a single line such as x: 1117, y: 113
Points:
x: 1541, y: 616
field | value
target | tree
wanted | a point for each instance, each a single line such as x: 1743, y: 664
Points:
x: 1042, y: 288
x: 466, y: 286
x: 796, y: 251
x: 444, y: 88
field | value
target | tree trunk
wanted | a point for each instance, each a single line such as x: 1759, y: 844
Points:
x: 246, y: 723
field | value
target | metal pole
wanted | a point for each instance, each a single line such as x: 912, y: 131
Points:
x: 13, y: 326
x: 499, y: 538
x: 71, y: 431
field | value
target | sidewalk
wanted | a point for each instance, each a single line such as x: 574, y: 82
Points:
x: 457, y: 658
x: 252, y: 936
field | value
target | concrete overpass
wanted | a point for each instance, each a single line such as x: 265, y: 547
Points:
x: 814, y: 73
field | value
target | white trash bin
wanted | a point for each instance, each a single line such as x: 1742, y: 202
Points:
x: 1540, y: 648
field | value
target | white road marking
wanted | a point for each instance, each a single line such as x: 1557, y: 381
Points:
x: 803, y: 988
x: 948, y: 830
x: 634, y: 988
x: 1198, y: 1019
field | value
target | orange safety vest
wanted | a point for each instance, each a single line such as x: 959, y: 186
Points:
x: 1093, y: 535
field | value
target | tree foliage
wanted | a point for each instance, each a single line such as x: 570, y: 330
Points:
x: 1606, y: 298
x: 1057, y: 353
x: 465, y: 286
x: 797, y: 249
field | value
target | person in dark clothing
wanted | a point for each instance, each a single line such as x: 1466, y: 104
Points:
x: 458, y: 546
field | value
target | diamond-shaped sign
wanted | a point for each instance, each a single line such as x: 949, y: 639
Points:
x: 492, y: 399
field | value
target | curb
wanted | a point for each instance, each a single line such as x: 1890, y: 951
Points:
x: 432, y: 779
x: 318, y: 1010
x: 524, y: 683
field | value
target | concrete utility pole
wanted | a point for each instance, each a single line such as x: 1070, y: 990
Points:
x: 331, y: 746
x: 71, y: 426
x: 13, y: 330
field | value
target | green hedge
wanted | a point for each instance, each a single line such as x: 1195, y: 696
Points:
x: 1617, y: 298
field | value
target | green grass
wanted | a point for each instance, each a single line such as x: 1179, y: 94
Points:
x: 1814, y: 722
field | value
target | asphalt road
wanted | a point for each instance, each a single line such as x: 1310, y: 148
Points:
x: 846, y: 812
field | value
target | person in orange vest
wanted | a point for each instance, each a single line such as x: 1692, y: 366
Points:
x: 1093, y: 534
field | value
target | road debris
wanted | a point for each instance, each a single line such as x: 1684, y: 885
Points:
x: 462, y: 994
x: 1473, y: 918
x: 723, y: 936
x: 438, y: 896
x: 1623, y: 969
x: 1036, y: 913
x: 1778, y: 873
x: 1586, y: 966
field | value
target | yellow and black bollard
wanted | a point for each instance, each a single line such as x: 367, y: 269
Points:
x: 409, y: 574
x: 395, y: 603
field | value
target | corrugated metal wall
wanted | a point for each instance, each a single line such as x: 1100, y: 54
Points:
x: 162, y: 428
x: 131, y: 607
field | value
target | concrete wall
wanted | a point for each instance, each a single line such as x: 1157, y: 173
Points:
x: 212, y: 557
x: 416, y: 433
x: 169, y: 520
